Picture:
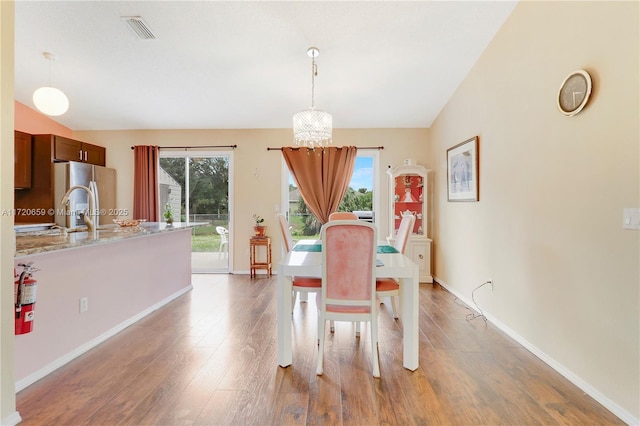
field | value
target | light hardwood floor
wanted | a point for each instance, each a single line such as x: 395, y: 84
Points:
x: 209, y: 358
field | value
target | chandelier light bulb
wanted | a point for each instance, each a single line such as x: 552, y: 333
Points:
x: 312, y: 127
x: 51, y: 101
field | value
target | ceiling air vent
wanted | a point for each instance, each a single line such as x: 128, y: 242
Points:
x: 139, y: 27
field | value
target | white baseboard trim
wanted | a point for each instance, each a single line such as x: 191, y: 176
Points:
x: 620, y: 412
x: 48, y: 369
x: 11, y: 420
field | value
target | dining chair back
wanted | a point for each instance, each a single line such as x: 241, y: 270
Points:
x: 224, y: 240
x: 348, y: 280
x: 404, y: 230
x: 389, y: 287
x: 343, y: 216
x: 300, y: 285
x: 287, y: 239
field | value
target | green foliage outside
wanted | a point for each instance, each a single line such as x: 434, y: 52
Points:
x: 205, y: 238
x: 356, y: 200
x: 208, y: 196
x: 202, y: 243
x: 297, y: 229
x: 304, y: 223
x: 208, y: 183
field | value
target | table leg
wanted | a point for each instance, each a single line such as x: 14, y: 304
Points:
x: 409, y: 298
x: 284, y: 319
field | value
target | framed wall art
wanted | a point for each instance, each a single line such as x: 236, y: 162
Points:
x: 462, y: 171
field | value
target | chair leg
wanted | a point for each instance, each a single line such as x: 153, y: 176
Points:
x: 357, y: 328
x: 226, y: 250
x: 395, y: 306
x: 332, y: 326
x: 374, y: 346
x: 321, y: 331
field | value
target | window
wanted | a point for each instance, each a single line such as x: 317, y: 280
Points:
x: 362, y: 195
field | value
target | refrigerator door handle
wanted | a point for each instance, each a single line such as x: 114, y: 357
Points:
x: 93, y: 186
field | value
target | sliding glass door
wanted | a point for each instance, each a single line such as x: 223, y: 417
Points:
x: 197, y: 185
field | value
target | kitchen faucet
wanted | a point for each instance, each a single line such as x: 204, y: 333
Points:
x: 63, y: 229
x: 90, y: 215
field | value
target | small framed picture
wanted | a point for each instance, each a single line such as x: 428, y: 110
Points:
x: 462, y: 171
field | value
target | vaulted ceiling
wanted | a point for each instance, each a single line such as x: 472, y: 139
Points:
x: 243, y: 64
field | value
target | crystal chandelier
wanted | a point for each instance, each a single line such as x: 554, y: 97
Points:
x: 312, y: 127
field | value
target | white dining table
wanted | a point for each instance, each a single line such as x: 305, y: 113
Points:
x: 309, y: 264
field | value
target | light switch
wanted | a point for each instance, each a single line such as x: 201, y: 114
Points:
x: 631, y: 218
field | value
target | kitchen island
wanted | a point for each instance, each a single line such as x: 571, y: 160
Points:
x: 120, y: 276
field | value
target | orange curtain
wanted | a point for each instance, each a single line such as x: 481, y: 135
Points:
x: 145, y: 183
x: 322, y: 176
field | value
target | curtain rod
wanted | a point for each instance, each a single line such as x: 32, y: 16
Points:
x: 358, y: 147
x: 196, y: 147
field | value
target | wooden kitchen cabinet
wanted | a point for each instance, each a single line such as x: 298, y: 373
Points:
x: 65, y: 149
x: 94, y: 154
x: 22, y: 160
x: 408, y: 195
x: 36, y: 204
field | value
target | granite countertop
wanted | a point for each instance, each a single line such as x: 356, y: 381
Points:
x: 28, y: 243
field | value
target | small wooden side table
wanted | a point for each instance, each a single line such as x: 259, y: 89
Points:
x: 255, y: 242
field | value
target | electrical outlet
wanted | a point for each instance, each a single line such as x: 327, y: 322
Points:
x: 490, y: 281
x: 84, y: 304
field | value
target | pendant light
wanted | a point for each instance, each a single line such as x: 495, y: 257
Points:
x: 312, y: 127
x: 48, y: 99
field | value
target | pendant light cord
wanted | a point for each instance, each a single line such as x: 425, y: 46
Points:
x: 49, y: 71
x: 49, y: 57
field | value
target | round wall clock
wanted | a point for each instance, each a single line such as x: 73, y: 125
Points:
x: 574, y: 92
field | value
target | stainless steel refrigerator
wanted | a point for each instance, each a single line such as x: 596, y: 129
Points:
x: 67, y: 175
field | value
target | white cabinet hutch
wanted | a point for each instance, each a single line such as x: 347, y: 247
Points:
x: 408, y: 195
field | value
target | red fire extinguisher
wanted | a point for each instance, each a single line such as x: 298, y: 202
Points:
x: 25, y: 299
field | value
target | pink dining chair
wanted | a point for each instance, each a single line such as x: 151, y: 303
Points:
x: 348, y: 280
x: 302, y: 285
x: 343, y: 216
x: 389, y: 287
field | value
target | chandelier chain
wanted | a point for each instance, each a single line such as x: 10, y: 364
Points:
x: 314, y: 73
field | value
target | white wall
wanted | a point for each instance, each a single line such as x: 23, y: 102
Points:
x: 8, y: 414
x: 548, y: 227
x: 262, y: 194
